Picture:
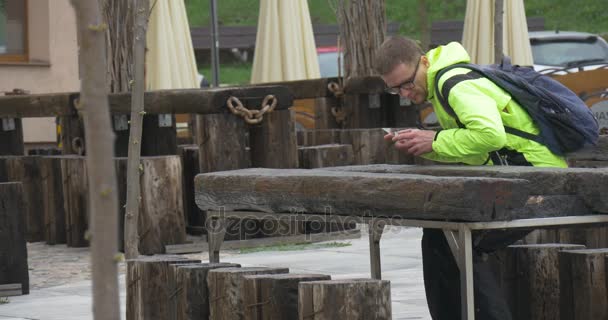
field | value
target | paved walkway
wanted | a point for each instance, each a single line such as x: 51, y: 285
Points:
x: 61, y: 286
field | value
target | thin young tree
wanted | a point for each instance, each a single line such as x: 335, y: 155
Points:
x: 137, y: 115
x: 103, y: 202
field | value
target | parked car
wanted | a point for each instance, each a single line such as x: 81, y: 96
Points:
x: 567, y: 51
x: 328, y: 61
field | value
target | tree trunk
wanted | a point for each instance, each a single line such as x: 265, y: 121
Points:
x: 102, y: 177
x: 362, y: 29
x: 137, y: 108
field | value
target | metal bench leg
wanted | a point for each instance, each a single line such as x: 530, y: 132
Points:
x: 216, y: 230
x: 375, y: 233
x: 465, y: 251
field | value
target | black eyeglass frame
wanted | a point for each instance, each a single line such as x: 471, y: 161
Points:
x: 407, y: 84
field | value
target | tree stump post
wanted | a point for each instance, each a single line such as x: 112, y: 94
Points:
x: 52, y: 193
x: 273, y: 141
x: 25, y: 169
x: 225, y: 290
x: 222, y: 142
x: 192, y: 293
x: 75, y: 199
x: 583, y: 284
x: 356, y: 299
x: 13, y: 251
x: 148, y: 289
x: 530, y: 279
x: 267, y: 297
x: 161, y: 219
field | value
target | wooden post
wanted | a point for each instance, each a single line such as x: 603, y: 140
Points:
x: 345, y: 299
x: 148, y: 290
x: 11, y: 137
x: 13, y: 249
x: 161, y: 218
x: 192, y: 294
x: 273, y: 142
x: 26, y: 170
x: 529, y: 275
x: 225, y: 290
x: 325, y: 155
x: 323, y: 118
x: 583, y: 284
x: 71, y: 133
x: 267, y: 297
x: 52, y: 194
x: 364, y: 111
x: 75, y: 200
x: 194, y: 216
x: 223, y: 143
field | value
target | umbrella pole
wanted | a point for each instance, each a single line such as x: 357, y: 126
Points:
x: 215, y: 53
x: 498, y: 39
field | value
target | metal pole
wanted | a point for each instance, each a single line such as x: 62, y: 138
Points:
x: 215, y: 52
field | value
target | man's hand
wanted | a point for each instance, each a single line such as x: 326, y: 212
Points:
x: 413, y: 141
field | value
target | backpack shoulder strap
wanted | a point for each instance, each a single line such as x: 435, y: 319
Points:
x: 444, y: 93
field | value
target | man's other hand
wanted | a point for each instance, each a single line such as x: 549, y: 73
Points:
x: 414, y: 141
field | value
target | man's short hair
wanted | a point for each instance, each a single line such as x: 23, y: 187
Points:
x: 396, y: 50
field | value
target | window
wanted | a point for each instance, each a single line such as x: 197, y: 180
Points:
x: 13, y: 30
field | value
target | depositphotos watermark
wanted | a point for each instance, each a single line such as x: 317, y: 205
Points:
x: 240, y: 225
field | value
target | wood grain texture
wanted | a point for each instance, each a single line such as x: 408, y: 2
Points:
x: 360, y: 193
x: 357, y: 299
x: 225, y: 288
x: 273, y: 142
x: 583, y: 284
x: 52, y: 194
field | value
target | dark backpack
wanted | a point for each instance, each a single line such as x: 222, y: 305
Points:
x: 566, y: 124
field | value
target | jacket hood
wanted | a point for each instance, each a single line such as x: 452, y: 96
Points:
x: 441, y: 57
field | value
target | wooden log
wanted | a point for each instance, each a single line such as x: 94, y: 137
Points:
x: 190, y: 168
x: 13, y: 251
x: 75, y: 200
x: 273, y: 141
x: 225, y: 287
x: 157, y: 139
x: 161, y: 218
x: 587, y: 184
x: 364, y: 111
x: 583, y: 284
x: 352, y: 193
x: 223, y: 143
x: 26, y: 170
x: 148, y: 292
x: 325, y: 155
x: 71, y: 131
x: 591, y: 237
x: 52, y: 196
x: 11, y: 135
x: 345, y: 299
x: 529, y: 276
x: 323, y: 118
x: 200, y: 101
x: 191, y: 291
x: 267, y: 297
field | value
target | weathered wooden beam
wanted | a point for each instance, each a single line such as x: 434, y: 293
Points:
x: 316, y: 88
x: 588, y: 184
x: 201, y: 101
x: 361, y: 193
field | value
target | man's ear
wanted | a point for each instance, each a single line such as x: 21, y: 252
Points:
x: 425, y: 61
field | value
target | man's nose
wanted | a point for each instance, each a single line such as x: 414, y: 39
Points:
x: 405, y: 92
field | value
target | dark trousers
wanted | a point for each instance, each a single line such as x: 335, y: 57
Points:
x: 442, y: 276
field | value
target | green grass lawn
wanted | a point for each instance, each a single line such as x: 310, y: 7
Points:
x: 234, y: 73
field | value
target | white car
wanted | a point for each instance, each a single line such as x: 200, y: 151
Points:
x: 567, y: 51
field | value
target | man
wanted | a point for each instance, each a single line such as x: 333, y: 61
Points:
x: 476, y: 137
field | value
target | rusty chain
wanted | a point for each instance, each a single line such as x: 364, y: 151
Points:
x: 251, y: 116
x: 338, y: 111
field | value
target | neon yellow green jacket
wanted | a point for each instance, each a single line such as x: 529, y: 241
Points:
x: 484, y: 109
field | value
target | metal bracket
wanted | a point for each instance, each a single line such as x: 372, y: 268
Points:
x: 8, y: 124
x: 374, y: 101
x: 165, y: 120
x: 121, y: 122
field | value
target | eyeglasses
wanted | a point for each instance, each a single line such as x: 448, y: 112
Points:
x: 408, y: 84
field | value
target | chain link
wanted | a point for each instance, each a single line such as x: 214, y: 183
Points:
x: 252, y: 116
